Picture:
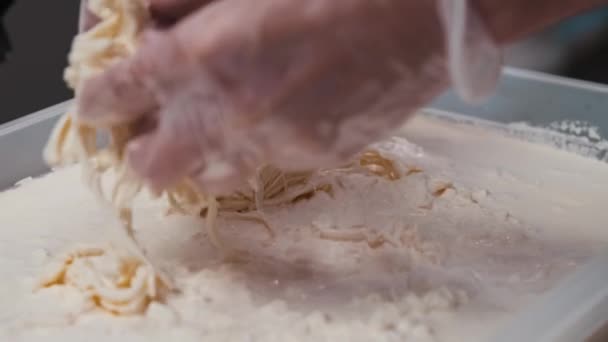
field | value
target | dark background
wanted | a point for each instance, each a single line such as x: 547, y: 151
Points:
x: 32, y: 78
x: 41, y: 32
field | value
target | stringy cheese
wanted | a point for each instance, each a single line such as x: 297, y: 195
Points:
x: 109, y: 278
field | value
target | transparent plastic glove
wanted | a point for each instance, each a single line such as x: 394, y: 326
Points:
x: 299, y: 84
x: 474, y: 59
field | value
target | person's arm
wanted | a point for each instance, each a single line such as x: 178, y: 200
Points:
x: 511, y: 20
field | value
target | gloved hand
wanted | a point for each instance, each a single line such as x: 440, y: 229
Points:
x: 299, y: 84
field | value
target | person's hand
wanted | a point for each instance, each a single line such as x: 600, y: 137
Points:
x: 238, y: 83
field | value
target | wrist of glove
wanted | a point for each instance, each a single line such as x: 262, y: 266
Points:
x: 474, y: 58
x: 299, y: 84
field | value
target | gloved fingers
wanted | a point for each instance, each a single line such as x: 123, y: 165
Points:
x: 166, y: 155
x: 222, y: 176
x: 190, y: 134
x: 161, y: 158
x: 133, y: 87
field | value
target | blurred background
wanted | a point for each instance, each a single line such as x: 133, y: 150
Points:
x: 40, y: 33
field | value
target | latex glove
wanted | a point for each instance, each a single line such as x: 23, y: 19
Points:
x: 299, y: 84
